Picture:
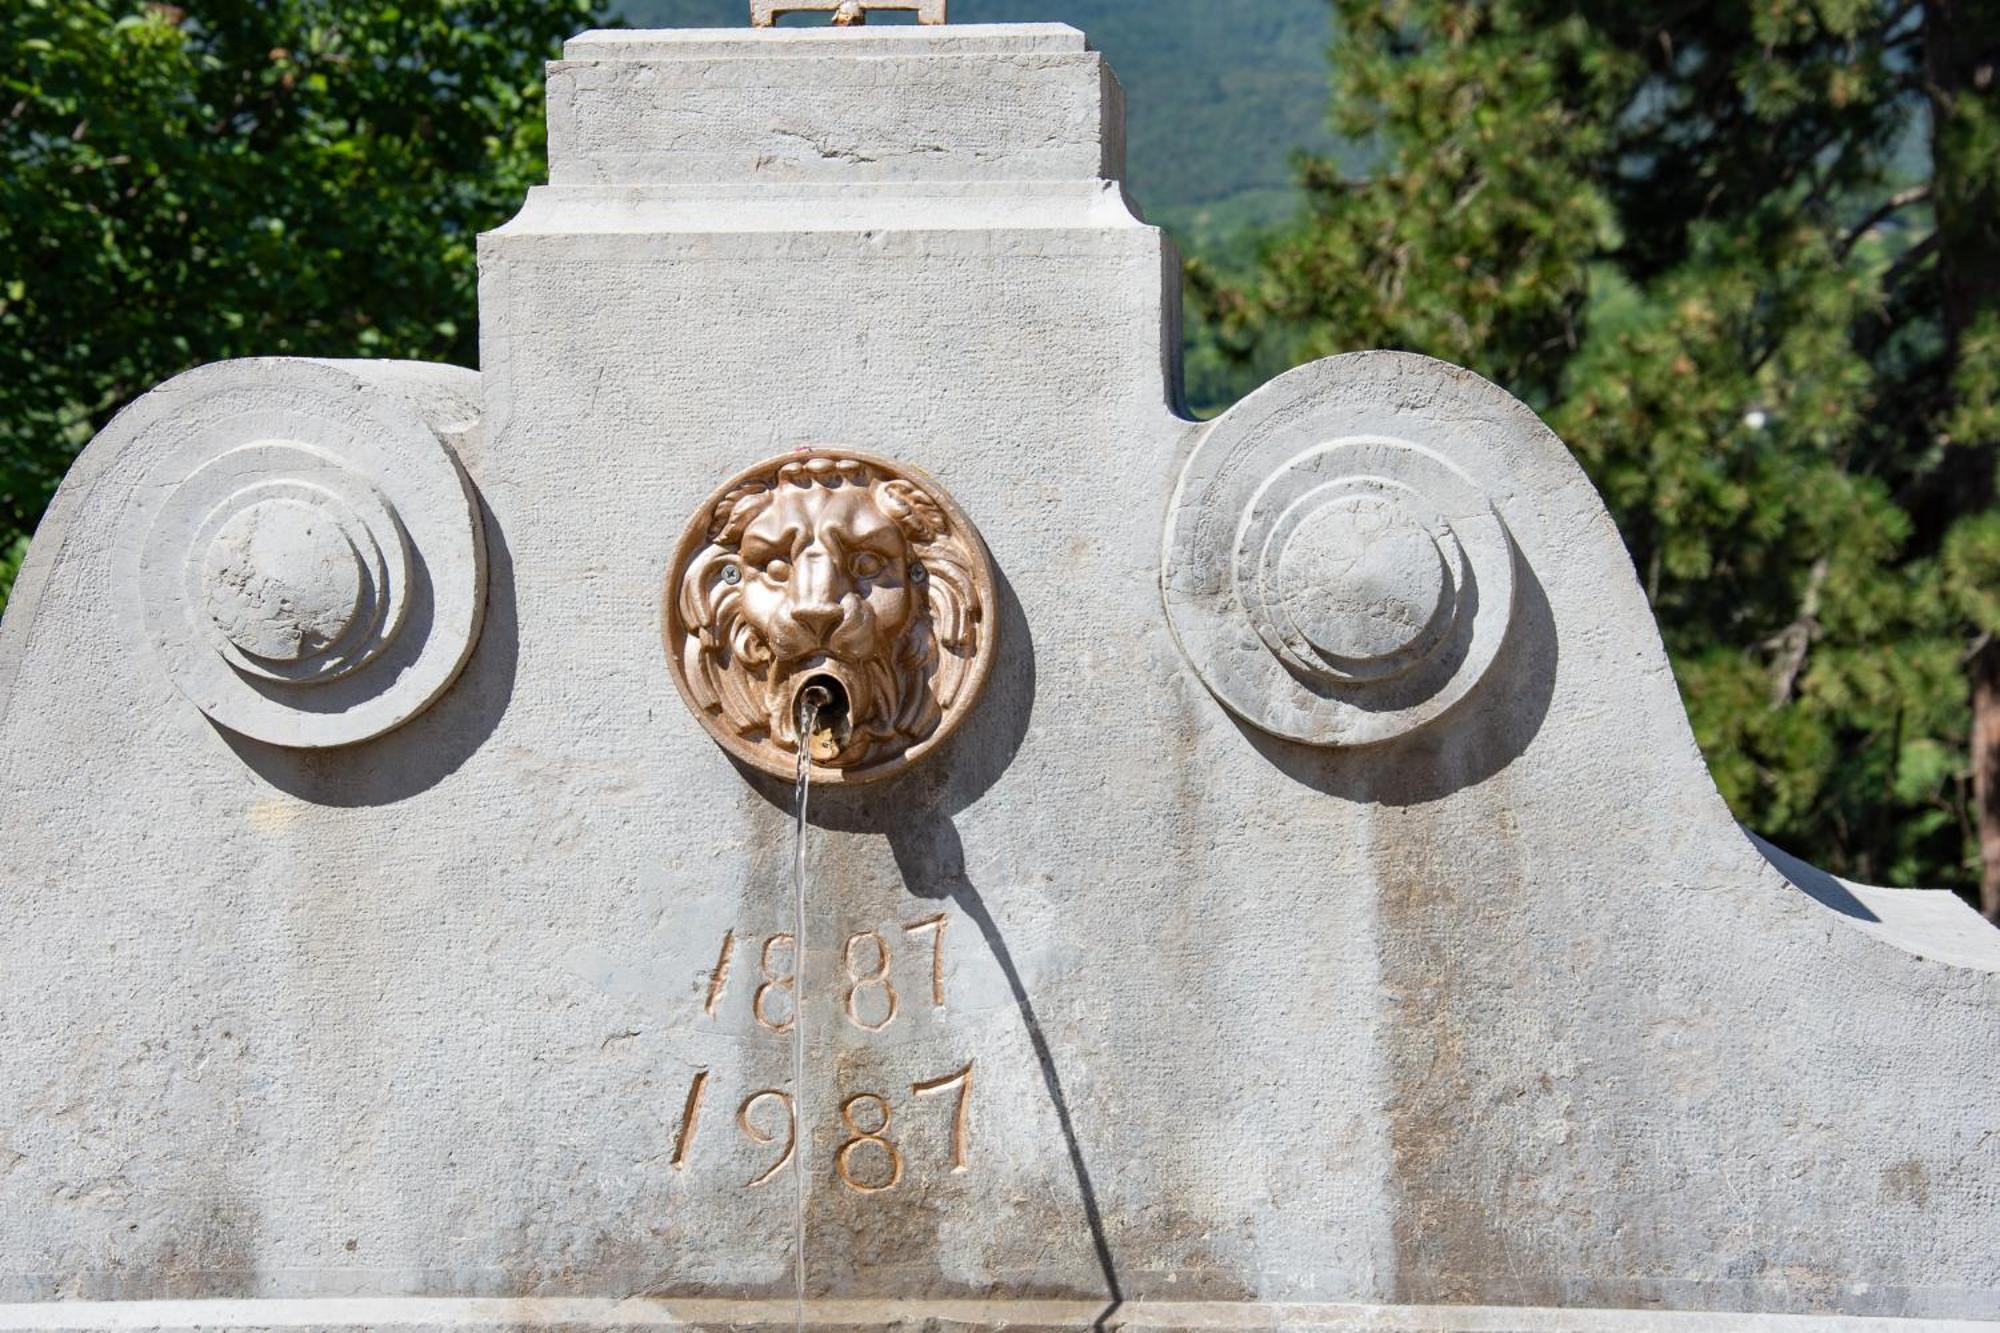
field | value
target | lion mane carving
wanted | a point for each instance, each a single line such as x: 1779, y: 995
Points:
x: 830, y: 566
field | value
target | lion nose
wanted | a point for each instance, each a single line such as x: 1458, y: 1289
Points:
x: 818, y: 619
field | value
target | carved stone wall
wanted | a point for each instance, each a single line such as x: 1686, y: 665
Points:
x: 1322, y: 920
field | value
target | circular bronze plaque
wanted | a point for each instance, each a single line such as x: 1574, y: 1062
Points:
x: 836, y: 576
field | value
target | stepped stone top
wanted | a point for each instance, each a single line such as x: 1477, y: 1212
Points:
x: 773, y: 106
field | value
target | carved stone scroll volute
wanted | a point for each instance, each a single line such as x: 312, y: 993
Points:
x: 830, y: 567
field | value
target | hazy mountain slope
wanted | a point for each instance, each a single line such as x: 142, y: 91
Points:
x: 1219, y: 93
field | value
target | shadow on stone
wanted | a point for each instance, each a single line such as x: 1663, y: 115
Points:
x: 931, y: 861
x: 425, y: 750
x: 1485, y: 732
x: 1810, y: 880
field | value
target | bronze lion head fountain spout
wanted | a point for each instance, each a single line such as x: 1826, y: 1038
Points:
x: 842, y: 571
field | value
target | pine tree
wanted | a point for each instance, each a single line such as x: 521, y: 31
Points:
x: 1746, y: 261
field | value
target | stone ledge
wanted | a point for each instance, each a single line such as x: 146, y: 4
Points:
x: 421, y: 1315
x: 819, y: 207
x: 821, y: 43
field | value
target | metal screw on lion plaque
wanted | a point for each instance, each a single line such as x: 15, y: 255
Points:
x: 1256, y: 873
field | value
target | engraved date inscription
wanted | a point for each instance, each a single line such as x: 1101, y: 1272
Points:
x: 870, y: 1159
x: 870, y: 1001
x: 867, y: 1162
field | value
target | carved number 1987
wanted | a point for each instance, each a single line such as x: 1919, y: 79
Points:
x: 849, y: 1162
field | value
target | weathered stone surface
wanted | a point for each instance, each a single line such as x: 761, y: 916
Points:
x: 492, y: 1021
x: 310, y: 561
x: 586, y: 1315
x: 1330, y: 573
x: 1020, y: 103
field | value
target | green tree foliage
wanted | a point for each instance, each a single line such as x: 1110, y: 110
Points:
x: 1716, y: 248
x: 184, y: 183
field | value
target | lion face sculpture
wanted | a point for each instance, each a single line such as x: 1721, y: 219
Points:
x: 832, y: 568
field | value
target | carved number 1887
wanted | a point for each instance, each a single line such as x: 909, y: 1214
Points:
x: 870, y: 1000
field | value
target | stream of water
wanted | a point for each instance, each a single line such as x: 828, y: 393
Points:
x: 811, y: 700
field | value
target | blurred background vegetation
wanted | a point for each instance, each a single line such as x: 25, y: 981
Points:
x: 1744, y: 257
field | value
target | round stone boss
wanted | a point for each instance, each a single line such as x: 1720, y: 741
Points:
x: 313, y: 579
x: 831, y: 569
x: 292, y: 568
x: 284, y: 580
x: 1332, y: 582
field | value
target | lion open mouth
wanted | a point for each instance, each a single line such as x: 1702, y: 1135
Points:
x: 838, y: 696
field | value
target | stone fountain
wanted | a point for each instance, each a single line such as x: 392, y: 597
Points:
x: 1259, y: 872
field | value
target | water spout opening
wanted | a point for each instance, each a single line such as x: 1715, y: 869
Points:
x: 825, y: 723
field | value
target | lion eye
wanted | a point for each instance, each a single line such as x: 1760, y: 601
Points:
x: 867, y: 565
x: 779, y: 570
